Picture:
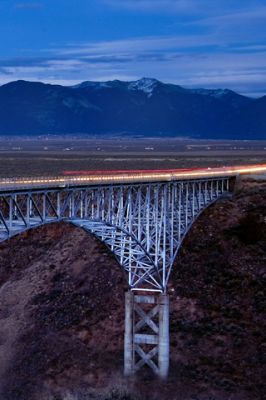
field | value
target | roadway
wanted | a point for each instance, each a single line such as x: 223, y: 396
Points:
x: 86, y: 178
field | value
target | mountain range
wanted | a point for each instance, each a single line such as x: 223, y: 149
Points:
x: 146, y: 107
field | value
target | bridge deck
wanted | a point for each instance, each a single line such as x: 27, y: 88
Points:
x: 122, y: 177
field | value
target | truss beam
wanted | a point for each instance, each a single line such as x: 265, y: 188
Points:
x: 142, y: 224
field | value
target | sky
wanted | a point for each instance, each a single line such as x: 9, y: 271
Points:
x: 192, y: 43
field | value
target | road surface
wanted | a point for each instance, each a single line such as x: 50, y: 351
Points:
x: 85, y: 178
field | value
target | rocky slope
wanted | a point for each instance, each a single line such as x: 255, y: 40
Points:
x: 62, y: 311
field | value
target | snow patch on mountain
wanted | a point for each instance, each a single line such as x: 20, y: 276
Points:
x: 95, y: 85
x: 146, y: 85
x: 217, y: 93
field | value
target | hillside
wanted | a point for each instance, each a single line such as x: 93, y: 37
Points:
x: 62, y: 312
x: 146, y: 107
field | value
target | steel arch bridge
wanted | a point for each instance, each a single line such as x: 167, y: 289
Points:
x: 142, y: 217
x: 143, y: 224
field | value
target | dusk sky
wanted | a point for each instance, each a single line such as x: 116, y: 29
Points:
x: 193, y: 43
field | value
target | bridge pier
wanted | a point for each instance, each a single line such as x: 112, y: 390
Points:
x: 146, y: 333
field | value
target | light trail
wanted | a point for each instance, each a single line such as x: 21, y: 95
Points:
x: 112, y: 177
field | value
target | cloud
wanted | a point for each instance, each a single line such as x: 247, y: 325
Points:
x: 200, y: 7
x: 150, y: 5
x: 189, y: 60
x: 167, y: 6
x: 235, y: 20
x: 140, y: 45
x: 209, y: 43
x: 23, y: 61
x: 158, y: 47
x: 5, y: 71
x: 29, y: 5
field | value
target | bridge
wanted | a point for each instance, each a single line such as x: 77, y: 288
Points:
x: 143, y: 217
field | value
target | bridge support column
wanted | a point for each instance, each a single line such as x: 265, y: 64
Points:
x: 163, y: 347
x: 146, y: 333
x: 128, y: 341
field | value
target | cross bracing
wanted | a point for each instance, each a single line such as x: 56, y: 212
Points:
x: 142, y: 223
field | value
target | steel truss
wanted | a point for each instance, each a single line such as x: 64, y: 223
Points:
x: 143, y: 224
x: 146, y: 333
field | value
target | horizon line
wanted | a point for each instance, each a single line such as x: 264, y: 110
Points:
x: 251, y: 95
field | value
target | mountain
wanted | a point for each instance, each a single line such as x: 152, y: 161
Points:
x: 144, y: 107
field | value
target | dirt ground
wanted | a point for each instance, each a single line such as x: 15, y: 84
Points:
x: 62, y: 312
x: 51, y: 156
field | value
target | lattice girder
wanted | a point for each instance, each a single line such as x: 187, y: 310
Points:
x: 142, y: 224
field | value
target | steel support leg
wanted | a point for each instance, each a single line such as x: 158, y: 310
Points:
x: 163, y: 346
x: 146, y: 333
x: 128, y: 341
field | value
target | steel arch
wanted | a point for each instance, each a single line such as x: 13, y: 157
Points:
x: 143, y: 224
